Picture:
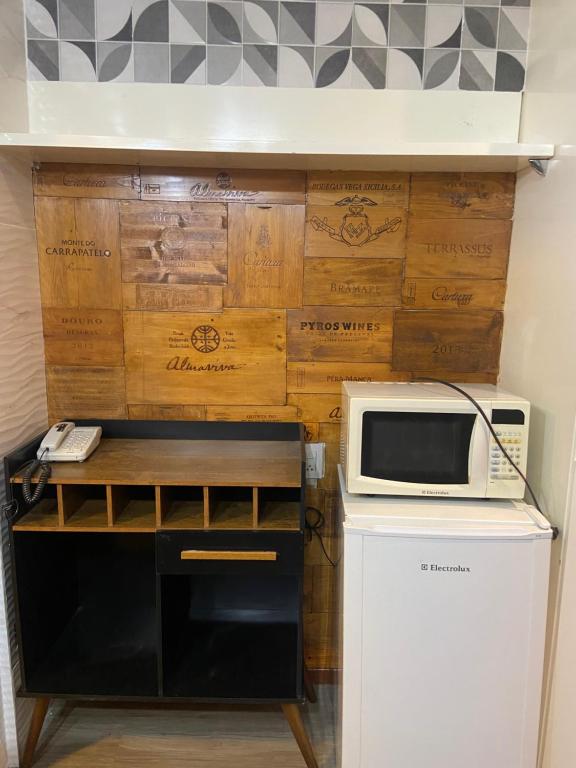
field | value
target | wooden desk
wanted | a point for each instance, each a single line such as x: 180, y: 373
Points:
x: 165, y: 569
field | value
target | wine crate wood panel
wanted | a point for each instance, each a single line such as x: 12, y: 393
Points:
x: 353, y: 282
x: 251, y: 413
x: 169, y: 412
x: 329, y: 187
x: 321, y: 378
x: 463, y: 195
x: 252, y: 295
x: 234, y: 185
x: 355, y: 229
x: 172, y: 298
x: 238, y: 356
x: 76, y: 392
x: 442, y: 248
x: 442, y: 293
x: 174, y: 242
x: 453, y: 341
x: 78, y: 252
x: 266, y: 250
x: 119, y: 182
x: 83, y: 336
x: 317, y: 408
x: 348, y: 334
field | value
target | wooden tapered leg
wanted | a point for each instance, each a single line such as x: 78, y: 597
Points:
x: 292, y: 714
x: 309, y: 689
x: 40, y: 709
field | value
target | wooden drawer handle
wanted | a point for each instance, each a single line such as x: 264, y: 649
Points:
x: 208, y: 554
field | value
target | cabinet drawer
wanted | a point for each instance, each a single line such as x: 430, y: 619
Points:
x: 229, y: 552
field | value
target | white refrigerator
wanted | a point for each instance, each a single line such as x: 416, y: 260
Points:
x: 444, y: 615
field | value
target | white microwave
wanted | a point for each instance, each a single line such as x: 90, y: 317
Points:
x: 420, y: 439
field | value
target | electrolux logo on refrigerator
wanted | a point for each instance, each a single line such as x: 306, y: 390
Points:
x: 444, y: 568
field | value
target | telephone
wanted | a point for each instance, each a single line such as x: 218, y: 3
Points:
x: 64, y: 442
x: 67, y: 442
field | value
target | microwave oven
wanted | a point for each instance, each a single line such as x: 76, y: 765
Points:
x: 420, y: 439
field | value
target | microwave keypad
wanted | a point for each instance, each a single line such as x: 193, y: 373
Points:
x: 500, y: 467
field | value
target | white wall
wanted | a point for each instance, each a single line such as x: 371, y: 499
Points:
x: 539, y: 347
x: 13, y: 90
x: 22, y: 387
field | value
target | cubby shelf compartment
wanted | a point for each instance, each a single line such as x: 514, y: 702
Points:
x: 181, y: 507
x: 279, y: 509
x: 83, y: 507
x: 231, y: 507
x: 132, y: 507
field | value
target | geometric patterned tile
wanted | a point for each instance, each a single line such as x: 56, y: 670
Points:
x: 369, y: 67
x: 78, y: 61
x: 295, y: 66
x: 441, y: 69
x: 298, y: 23
x: 332, y: 68
x: 114, y: 20
x: 188, y: 64
x: 260, y: 65
x: 187, y: 21
x: 260, y: 21
x: 513, y: 31
x: 43, y: 60
x: 371, y: 24
x: 77, y: 19
x: 480, y: 28
x: 478, y: 70
x: 42, y: 19
x: 405, y: 68
x: 150, y: 22
x: 510, y: 71
x: 365, y: 44
x: 224, y: 23
x: 115, y: 61
x: 224, y: 65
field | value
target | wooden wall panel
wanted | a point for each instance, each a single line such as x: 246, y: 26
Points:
x: 210, y: 294
x: 348, y: 334
x: 119, y: 182
x: 453, y: 341
x: 85, y: 392
x: 266, y: 246
x: 174, y: 242
x: 352, y: 229
x: 172, y: 298
x: 234, y: 185
x: 83, y: 336
x: 353, y: 282
x: 474, y: 248
x: 78, y: 252
x: 238, y: 356
x: 448, y: 293
x: 463, y: 195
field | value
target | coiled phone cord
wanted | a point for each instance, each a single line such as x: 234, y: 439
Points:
x: 28, y: 470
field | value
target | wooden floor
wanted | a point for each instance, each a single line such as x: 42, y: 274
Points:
x: 87, y: 736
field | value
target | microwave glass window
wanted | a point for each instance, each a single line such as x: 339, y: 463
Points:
x: 431, y: 448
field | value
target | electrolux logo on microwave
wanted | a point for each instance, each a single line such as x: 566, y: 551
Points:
x: 444, y: 568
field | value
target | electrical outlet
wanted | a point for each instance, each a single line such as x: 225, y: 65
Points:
x: 315, y: 460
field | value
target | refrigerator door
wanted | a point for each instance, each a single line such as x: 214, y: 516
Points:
x: 448, y: 651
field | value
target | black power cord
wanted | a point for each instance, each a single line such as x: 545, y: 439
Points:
x: 494, y: 435
x: 314, y: 527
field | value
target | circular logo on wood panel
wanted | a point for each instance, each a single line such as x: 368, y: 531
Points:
x: 223, y: 180
x: 205, y: 338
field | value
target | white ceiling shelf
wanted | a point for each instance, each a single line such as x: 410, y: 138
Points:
x: 356, y: 154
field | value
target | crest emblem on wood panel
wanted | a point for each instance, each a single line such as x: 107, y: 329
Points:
x: 355, y: 228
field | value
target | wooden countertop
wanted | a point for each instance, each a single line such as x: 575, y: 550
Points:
x: 185, y: 462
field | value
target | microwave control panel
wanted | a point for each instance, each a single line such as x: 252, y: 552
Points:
x: 512, y: 438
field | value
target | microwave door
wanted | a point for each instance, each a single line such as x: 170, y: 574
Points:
x: 436, y: 453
